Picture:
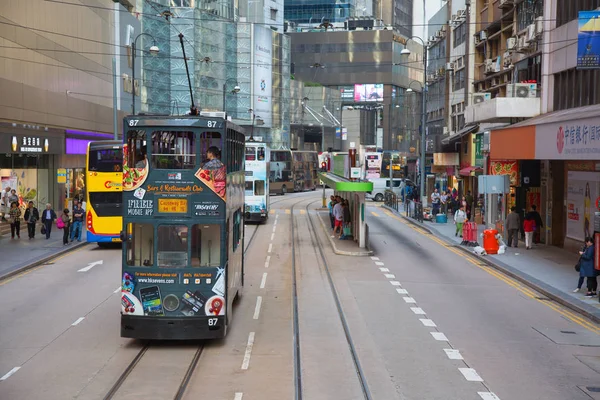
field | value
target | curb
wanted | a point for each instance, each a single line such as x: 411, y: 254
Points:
x: 552, y: 293
x: 42, y: 261
x: 342, y: 252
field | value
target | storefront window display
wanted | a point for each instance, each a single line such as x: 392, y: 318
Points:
x: 28, y: 175
x: 75, y: 186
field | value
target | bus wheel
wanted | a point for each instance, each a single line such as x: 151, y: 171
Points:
x: 283, y: 189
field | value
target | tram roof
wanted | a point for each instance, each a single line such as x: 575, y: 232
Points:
x: 192, y: 121
x: 342, y: 184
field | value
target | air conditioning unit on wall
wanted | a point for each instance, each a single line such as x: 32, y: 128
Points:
x: 481, y: 97
x: 523, y: 90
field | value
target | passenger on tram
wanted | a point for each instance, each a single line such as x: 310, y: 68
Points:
x: 213, y: 154
x: 142, y: 160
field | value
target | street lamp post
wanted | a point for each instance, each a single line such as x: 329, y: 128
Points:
x: 153, y: 50
x: 406, y: 51
x: 392, y: 137
x: 236, y: 89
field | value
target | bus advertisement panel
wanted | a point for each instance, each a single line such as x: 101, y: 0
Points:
x: 257, y: 183
x: 280, y: 172
x: 183, y: 199
x: 104, y: 183
x: 306, y: 168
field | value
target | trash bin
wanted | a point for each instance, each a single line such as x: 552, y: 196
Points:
x: 490, y: 243
x: 441, y: 218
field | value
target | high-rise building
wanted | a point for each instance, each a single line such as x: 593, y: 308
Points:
x: 319, y: 11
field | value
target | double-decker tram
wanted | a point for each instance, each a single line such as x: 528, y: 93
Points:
x: 183, y: 202
x: 257, y: 181
x: 281, y: 176
x: 306, y: 168
x: 104, y: 178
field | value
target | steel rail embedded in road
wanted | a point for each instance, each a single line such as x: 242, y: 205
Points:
x: 296, y: 324
x: 182, y: 386
x: 318, y: 246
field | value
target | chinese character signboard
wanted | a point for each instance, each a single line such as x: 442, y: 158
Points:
x: 510, y: 168
x: 32, y: 144
x: 588, y: 40
x: 479, y: 150
x: 576, y: 140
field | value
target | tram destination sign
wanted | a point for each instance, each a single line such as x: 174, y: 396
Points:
x: 203, y: 122
x: 173, y: 206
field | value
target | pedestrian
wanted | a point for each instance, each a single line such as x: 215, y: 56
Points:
x: 444, y: 201
x: 586, y: 267
x: 48, y: 218
x: 435, y: 202
x: 338, y: 213
x: 330, y: 207
x: 513, y: 225
x: 15, y: 220
x: 13, y: 198
x: 528, y: 227
x: 66, y: 220
x: 538, y: 223
x: 346, y: 219
x: 77, y: 225
x: 5, y: 203
x: 32, y: 215
x: 460, y: 216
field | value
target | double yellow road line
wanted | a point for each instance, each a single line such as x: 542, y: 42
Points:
x: 565, y: 312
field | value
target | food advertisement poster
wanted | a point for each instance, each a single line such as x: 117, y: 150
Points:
x: 214, y: 174
x: 134, y: 176
x: 510, y: 168
x: 582, y: 190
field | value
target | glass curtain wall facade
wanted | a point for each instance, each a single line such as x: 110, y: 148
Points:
x: 316, y: 11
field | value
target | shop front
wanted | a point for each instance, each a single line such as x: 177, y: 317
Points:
x: 28, y: 161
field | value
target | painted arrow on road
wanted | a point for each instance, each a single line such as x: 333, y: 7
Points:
x: 90, y: 266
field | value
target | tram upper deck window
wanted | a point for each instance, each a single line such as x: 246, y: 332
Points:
x: 207, y: 140
x: 173, y: 150
x: 140, y: 245
x: 259, y: 188
x: 260, y: 151
x: 206, y: 245
x: 136, y: 149
x: 172, y: 249
x: 250, y: 153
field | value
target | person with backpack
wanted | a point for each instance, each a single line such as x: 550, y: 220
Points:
x: 460, y: 217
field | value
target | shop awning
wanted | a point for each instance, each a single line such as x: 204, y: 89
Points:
x: 459, y: 134
x: 467, y: 171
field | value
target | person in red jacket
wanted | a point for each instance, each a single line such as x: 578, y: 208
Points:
x: 529, y: 228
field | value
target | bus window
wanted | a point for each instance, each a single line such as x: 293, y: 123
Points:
x: 105, y: 160
x: 136, y: 147
x: 261, y: 153
x: 173, y: 150
x: 251, y: 153
x: 172, y: 249
x: 140, y: 245
x: 206, y: 245
x: 259, y: 188
x: 209, y: 139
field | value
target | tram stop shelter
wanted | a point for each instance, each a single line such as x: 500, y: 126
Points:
x: 353, y: 191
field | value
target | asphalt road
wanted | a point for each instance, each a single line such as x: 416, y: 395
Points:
x: 497, y: 337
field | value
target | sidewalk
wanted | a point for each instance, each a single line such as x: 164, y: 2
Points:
x: 17, y: 255
x: 342, y: 247
x: 548, y: 269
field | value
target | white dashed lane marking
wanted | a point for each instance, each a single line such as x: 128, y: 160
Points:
x: 470, y: 374
x: 257, y: 308
x: 375, y: 258
x: 402, y: 291
x: 270, y: 248
x: 439, y: 336
x: 395, y: 283
x: 453, y: 354
x: 389, y: 276
x: 272, y: 236
x: 384, y: 269
x: 10, y: 373
x: 417, y: 310
x: 268, y: 260
x: 488, y: 396
x: 263, y: 282
x: 428, y: 322
x: 248, y: 352
x: 117, y: 290
x: 409, y: 300
x: 379, y: 263
x: 238, y: 396
x: 78, y: 321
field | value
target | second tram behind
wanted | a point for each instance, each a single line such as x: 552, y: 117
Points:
x: 257, y: 182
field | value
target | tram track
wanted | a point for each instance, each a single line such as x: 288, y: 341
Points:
x: 320, y: 255
x: 190, y: 367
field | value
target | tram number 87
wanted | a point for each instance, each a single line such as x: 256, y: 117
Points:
x: 212, y: 321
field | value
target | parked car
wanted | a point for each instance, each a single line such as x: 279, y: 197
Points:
x: 381, y: 184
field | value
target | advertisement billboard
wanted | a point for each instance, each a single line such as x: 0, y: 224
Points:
x: 582, y: 190
x: 262, y: 66
x: 368, y: 92
x: 588, y: 40
x: 347, y: 92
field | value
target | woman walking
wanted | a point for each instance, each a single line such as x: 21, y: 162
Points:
x: 66, y: 220
x: 529, y: 228
x: 460, y: 216
x: 15, y: 220
x: 586, y: 268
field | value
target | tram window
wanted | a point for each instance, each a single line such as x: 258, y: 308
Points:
x: 140, y: 245
x: 259, y: 188
x: 172, y: 246
x: 261, y: 153
x: 136, y: 148
x: 208, y: 139
x: 249, y: 185
x: 206, y: 245
x: 173, y: 150
x: 250, y: 153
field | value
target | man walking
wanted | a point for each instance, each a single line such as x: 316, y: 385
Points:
x: 435, y: 202
x: 338, y: 213
x: 77, y: 226
x: 513, y: 226
x: 537, y: 218
x: 31, y: 217
x: 48, y: 218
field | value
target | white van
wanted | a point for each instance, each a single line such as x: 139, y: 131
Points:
x: 379, y: 187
